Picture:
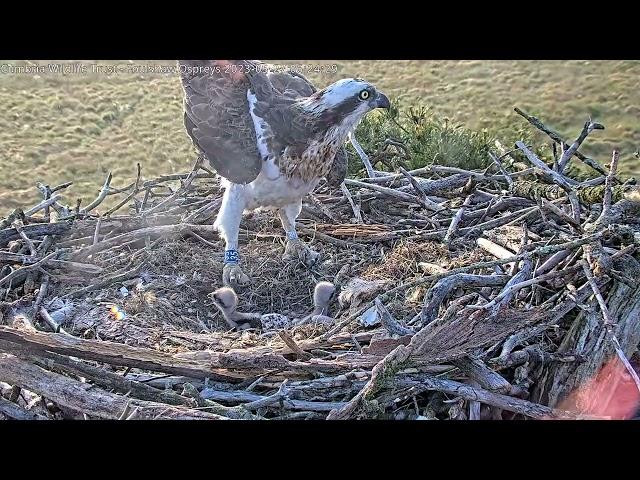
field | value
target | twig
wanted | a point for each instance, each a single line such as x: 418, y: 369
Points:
x: 405, y: 197
x: 497, y: 161
x: 493, y: 248
x: 363, y: 156
x: 523, y: 246
x: 63, y: 264
x: 453, y: 226
x: 355, y: 208
x: 560, y: 213
x: 134, y: 192
x: 291, y: 343
x: 208, y: 209
x: 259, y: 401
x: 552, y: 262
x: 391, y: 324
x: 42, y: 292
x: 278, y: 397
x: 105, y: 283
x: 589, y: 127
x: 533, y: 354
x: 436, y: 294
x: 329, y: 239
x: 199, y: 238
x: 101, y: 196
x: 22, y: 270
x: 62, y: 186
x: 516, y: 286
x: 566, y: 183
x: 42, y: 205
x: 422, y: 195
x: 183, y: 188
x: 96, y: 234
x: 508, y: 293
x: 165, y: 231
x: 17, y: 224
x: 608, y: 194
x: 44, y: 314
x: 503, y: 402
x: 557, y: 138
x: 485, y: 376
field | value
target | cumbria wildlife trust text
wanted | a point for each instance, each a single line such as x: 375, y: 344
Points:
x: 85, y: 69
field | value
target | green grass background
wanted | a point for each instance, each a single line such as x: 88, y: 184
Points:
x: 55, y: 128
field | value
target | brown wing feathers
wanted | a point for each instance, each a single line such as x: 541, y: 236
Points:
x: 218, y: 121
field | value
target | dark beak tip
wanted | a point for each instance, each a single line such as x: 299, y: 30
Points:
x: 383, y: 101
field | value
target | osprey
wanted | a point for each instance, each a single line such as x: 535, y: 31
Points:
x: 271, y: 136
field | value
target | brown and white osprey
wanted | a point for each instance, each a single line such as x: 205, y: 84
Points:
x: 272, y: 137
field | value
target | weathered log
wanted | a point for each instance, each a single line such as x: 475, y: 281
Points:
x: 209, y: 365
x: 586, y: 337
x: 32, y: 231
x: 16, y: 412
x: 109, y: 380
x: 483, y: 375
x: 436, y: 294
x: 239, y: 397
x: 85, y: 398
x: 108, y: 352
x: 588, y: 195
x: 504, y: 402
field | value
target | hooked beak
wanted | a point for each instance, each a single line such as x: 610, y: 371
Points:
x: 381, y: 101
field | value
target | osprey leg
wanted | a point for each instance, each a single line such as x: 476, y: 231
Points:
x: 295, y: 248
x: 228, y: 224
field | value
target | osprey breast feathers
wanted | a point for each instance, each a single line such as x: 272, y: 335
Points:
x: 240, y: 113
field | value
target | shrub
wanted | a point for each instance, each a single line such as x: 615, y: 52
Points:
x: 427, y: 139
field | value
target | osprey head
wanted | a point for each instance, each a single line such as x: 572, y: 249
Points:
x: 225, y: 299
x: 345, y: 102
x: 355, y: 93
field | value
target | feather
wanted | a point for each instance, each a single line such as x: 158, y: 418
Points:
x: 235, y: 135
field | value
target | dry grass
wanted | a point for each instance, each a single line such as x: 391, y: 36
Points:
x: 56, y: 127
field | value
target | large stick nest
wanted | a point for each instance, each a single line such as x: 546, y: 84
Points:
x: 460, y: 294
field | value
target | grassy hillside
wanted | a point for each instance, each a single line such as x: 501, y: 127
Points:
x: 78, y: 126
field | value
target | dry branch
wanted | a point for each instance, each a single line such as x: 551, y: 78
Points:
x: 504, y: 402
x: 558, y: 139
x: 589, y: 127
x: 82, y: 397
x: 104, y: 191
x: 107, y: 352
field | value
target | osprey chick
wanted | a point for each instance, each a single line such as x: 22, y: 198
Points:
x: 272, y: 137
x: 226, y: 300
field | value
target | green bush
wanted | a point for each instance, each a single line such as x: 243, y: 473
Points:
x: 430, y: 140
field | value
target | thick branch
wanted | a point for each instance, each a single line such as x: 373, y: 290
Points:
x: 84, y: 398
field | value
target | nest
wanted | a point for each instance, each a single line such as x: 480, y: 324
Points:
x: 460, y: 294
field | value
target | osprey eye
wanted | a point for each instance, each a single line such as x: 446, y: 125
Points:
x: 364, y: 94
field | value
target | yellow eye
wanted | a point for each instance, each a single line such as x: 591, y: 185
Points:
x: 364, y: 94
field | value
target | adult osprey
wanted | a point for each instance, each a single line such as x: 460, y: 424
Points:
x: 272, y: 136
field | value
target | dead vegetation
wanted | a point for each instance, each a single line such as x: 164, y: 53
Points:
x: 505, y: 293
